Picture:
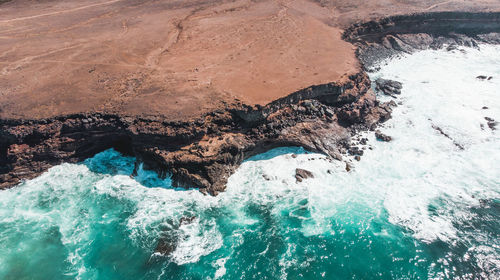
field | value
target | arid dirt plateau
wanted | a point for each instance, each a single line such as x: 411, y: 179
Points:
x: 192, y: 88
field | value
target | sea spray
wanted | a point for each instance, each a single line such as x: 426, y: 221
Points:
x: 425, y: 205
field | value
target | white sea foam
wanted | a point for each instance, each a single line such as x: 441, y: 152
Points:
x: 160, y: 210
x: 422, y: 178
x: 45, y: 203
x: 433, y: 170
x: 421, y: 181
x: 221, y: 268
x: 195, y: 241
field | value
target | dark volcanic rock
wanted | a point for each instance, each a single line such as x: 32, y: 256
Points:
x: 452, y: 47
x: 204, y: 152
x: 301, y: 174
x: 388, y: 87
x: 347, y: 167
x: 483, y: 202
x: 187, y: 220
x: 355, y: 151
x: 491, y: 123
x: 481, y: 77
x: 165, y: 246
x: 440, y: 130
x: 387, y: 37
x: 167, y: 243
x: 382, y: 137
x: 201, y: 152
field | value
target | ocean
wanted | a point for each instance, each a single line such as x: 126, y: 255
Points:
x: 424, y: 206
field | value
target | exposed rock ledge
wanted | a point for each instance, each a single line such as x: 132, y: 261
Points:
x: 384, y: 38
x: 199, y: 153
x: 204, y: 152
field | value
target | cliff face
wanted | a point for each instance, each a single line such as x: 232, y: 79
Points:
x: 381, y: 39
x: 203, y: 152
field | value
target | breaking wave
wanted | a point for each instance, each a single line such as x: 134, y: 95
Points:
x: 425, y: 205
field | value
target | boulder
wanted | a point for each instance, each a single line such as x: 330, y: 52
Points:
x: 388, y: 87
x: 491, y: 123
x: 347, y: 167
x: 187, y: 220
x: 301, y: 174
x: 166, y: 246
x: 355, y: 151
x: 382, y: 137
x: 482, y: 77
x: 167, y: 243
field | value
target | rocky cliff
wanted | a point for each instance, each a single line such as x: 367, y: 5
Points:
x: 380, y: 39
x: 203, y: 152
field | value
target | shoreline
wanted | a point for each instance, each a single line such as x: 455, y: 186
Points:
x: 381, y: 39
x: 200, y: 153
x: 204, y: 152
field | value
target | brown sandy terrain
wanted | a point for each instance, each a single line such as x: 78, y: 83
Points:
x: 93, y: 70
x: 177, y: 58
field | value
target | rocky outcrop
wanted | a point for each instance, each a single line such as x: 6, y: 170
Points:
x: 491, y: 123
x: 441, y: 131
x: 388, y: 87
x: 302, y: 174
x: 204, y: 152
x: 382, y: 137
x: 482, y: 77
x: 168, y: 239
x: 380, y: 39
x: 200, y: 153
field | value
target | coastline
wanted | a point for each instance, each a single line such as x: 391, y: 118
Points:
x: 204, y: 152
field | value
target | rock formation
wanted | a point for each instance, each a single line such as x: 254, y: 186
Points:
x: 200, y: 153
x: 388, y: 87
x: 382, y: 137
x: 204, y: 149
x: 302, y: 174
x: 383, y: 38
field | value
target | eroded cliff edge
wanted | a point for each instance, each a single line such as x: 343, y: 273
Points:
x: 380, y: 39
x: 203, y: 152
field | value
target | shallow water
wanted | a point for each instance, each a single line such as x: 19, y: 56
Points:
x: 418, y: 207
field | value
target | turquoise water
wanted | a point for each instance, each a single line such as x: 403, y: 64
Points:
x: 415, y: 208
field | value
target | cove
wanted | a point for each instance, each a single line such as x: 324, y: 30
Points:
x: 418, y: 207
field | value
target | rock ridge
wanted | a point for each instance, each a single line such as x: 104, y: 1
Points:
x: 203, y: 152
x: 387, y: 37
